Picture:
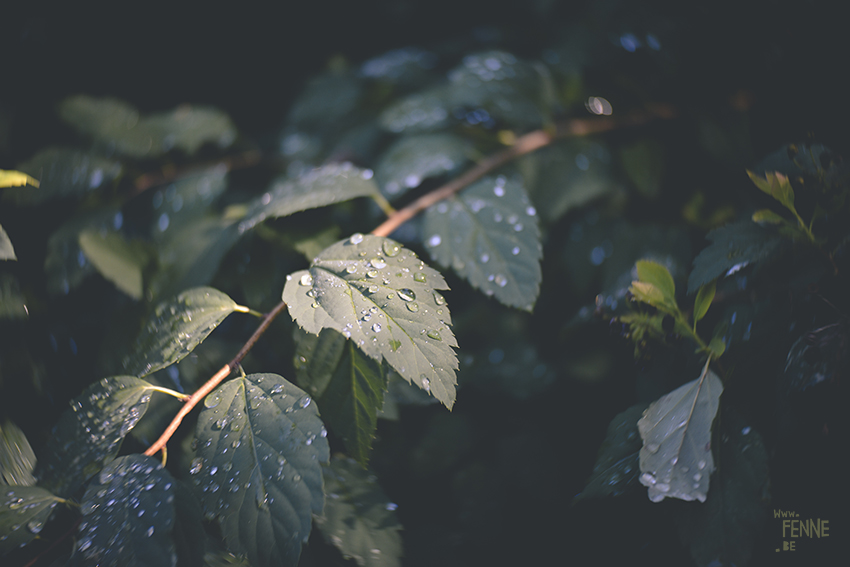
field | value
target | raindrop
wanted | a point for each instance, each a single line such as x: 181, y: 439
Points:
x: 701, y: 465
x: 413, y: 307
x: 697, y: 477
x: 356, y: 238
x: 276, y: 389
x: 351, y: 268
x: 435, y: 240
x: 499, y: 190
x: 306, y: 279
x: 426, y: 384
x: 434, y: 335
x: 439, y: 299
x: 405, y: 294
x: 378, y: 263
x: 197, y: 464
x: 212, y: 400
x: 376, y: 327
x: 392, y: 506
x: 34, y: 526
x: 373, y: 289
x: 485, y: 258
x: 746, y: 431
x: 372, y: 273
x: 515, y: 250
x: 530, y: 211
x: 652, y: 447
x: 419, y: 277
x: 501, y: 280
x: 149, y: 533
x: 304, y: 402
x: 390, y: 248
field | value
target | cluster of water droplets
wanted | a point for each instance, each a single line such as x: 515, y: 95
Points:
x: 414, y: 158
x: 33, y: 509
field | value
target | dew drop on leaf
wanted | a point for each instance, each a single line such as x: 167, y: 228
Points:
x: 434, y: 335
x: 306, y: 279
x: 419, y: 277
x: 378, y: 263
x: 413, y: 307
x: 391, y: 249
x: 405, y: 294
x: 356, y: 238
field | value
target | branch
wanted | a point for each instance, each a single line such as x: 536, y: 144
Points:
x: 524, y: 145
x: 211, y: 384
x: 170, y: 173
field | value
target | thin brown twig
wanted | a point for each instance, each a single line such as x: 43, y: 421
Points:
x: 231, y: 163
x: 524, y: 145
x: 213, y: 382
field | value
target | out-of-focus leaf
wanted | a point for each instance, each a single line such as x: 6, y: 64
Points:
x: 408, y: 67
x: 419, y: 112
x: 659, y: 276
x: 311, y: 246
x: 717, y: 347
x: 16, y: 179
x: 261, y: 443
x: 777, y: 186
x: 414, y: 158
x: 644, y: 164
x: 89, y: 433
x: 352, y: 399
x: 385, y: 299
x: 648, y: 293
x: 806, y: 159
x: 734, y: 513
x: 676, y: 460
x: 64, y: 172
x: 732, y: 247
x: 7, y: 251
x: 118, y: 125
x: 705, y: 296
x: 117, y: 260
x: 189, y: 535
x: 359, y: 519
x: 23, y: 512
x: 767, y: 216
x: 185, y: 201
x: 17, y: 459
x: 326, y: 101
x: 316, y: 358
x: 617, y: 467
x: 489, y: 235
x: 128, y: 515
x: 177, y: 327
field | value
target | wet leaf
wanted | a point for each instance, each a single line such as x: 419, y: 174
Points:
x: 23, y: 512
x: 489, y: 235
x: 176, y: 327
x: 413, y: 159
x: 733, y: 247
x: 359, y: 519
x: 16, y: 179
x: 316, y: 358
x: 89, y: 433
x: 676, y: 460
x: 128, y: 516
x: 17, y: 460
x: 385, y: 299
x: 184, y: 201
x: 419, y: 112
x: 260, y: 443
x: 617, y: 467
x: 705, y: 296
x: 117, y: 260
x: 7, y: 251
x: 64, y: 173
x: 352, y: 399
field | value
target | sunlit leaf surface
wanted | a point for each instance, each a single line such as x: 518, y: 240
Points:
x: 7, y: 251
x: 116, y: 259
x: 17, y: 459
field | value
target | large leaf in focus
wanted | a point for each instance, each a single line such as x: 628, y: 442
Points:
x: 412, y: 159
x: 359, y: 519
x: 489, y: 235
x: 385, y: 299
x: 727, y: 526
x: 128, y: 516
x: 63, y: 172
x: 732, y: 247
x: 89, y: 433
x: 118, y: 125
x: 7, y: 251
x: 676, y: 460
x: 617, y: 466
x: 23, y: 512
x: 117, y: 260
x: 260, y: 443
x: 177, y: 327
x: 353, y: 398
x: 17, y: 459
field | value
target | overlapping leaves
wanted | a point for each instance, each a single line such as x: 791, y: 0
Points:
x: 386, y: 300
x: 23, y: 512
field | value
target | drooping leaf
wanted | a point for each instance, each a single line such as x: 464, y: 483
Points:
x: 648, y: 293
x: 64, y: 173
x: 659, y: 276
x: 7, y: 251
x: 777, y: 186
x: 117, y: 260
x: 23, y: 512
x: 617, y: 466
x: 17, y: 459
x: 705, y: 296
x: 352, y: 399
x: 732, y: 247
x: 676, y: 460
x: 128, y: 516
x: 260, y: 443
x: 359, y: 519
x: 316, y: 358
x: 488, y: 234
x: 89, y: 433
x: 117, y: 124
x: 16, y: 179
x: 177, y: 327
x: 727, y: 526
x: 767, y: 216
x: 385, y: 299
x: 412, y: 159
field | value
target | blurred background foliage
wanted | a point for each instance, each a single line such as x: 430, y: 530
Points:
x: 394, y: 86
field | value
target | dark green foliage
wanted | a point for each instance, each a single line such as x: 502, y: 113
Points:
x: 23, y: 512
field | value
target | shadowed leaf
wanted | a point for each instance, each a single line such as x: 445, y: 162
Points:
x: 23, y: 512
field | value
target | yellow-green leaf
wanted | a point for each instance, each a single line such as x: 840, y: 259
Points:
x: 777, y: 186
x: 659, y: 276
x: 16, y: 179
x: 705, y: 296
x: 647, y: 293
x: 767, y: 216
x: 717, y: 347
x: 117, y: 260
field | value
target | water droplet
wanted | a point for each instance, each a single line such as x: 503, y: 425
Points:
x: 426, y: 384
x: 701, y: 465
x: 376, y: 327
x: 515, y: 250
x: 34, y: 526
x: 697, y: 477
x: 435, y: 240
x: 419, y: 277
x: 500, y: 280
x: 351, y: 268
x: 746, y: 431
x: 518, y: 227
x: 499, y: 190
x: 413, y: 307
x: 306, y: 279
x: 276, y: 389
x: 392, y: 506
x: 372, y: 273
x: 390, y: 248
x: 197, y: 464
x: 149, y: 533
x: 305, y: 401
x: 674, y: 460
x: 356, y: 238
x: 485, y: 258
x: 378, y: 263
x: 652, y: 447
x: 434, y: 335
x: 405, y: 294
x: 663, y: 487
x: 212, y: 400
x: 530, y: 211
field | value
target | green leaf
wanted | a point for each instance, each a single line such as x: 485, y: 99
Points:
x: 647, y: 293
x: 23, y: 512
x: 767, y: 216
x: 17, y: 459
x: 260, y: 443
x: 128, y: 515
x: 385, y: 299
x: 117, y: 260
x: 734, y: 514
x: 659, y: 276
x: 359, y: 519
x: 352, y: 399
x: 644, y: 164
x: 13, y: 304
x: 777, y: 186
x: 732, y: 247
x: 116, y: 124
x: 316, y: 358
x: 705, y: 296
x: 617, y: 466
x: 424, y: 111
x: 7, y: 251
x: 412, y: 159
x: 89, y: 433
x: 717, y: 346
x: 676, y: 460
x: 16, y: 179
x: 488, y: 234
x: 177, y: 327
x: 64, y: 173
